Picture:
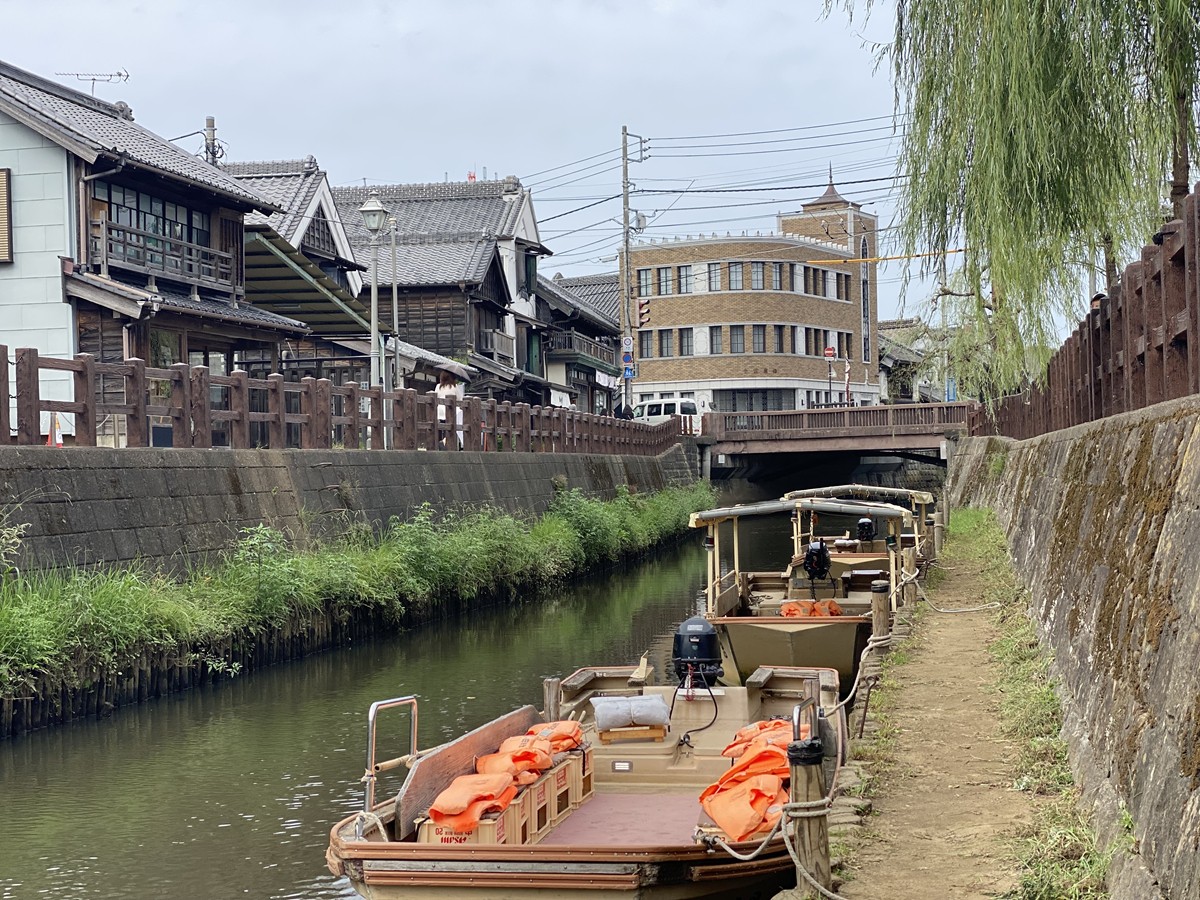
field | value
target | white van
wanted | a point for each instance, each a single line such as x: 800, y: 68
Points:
x: 652, y: 412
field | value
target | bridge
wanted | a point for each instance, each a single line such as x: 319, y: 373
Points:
x: 903, y: 427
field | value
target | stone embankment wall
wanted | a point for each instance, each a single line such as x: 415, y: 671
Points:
x: 1103, y: 522
x: 87, y: 506
x: 910, y: 473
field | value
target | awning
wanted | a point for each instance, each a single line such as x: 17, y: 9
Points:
x: 283, y: 280
x: 863, y: 490
x: 809, y: 504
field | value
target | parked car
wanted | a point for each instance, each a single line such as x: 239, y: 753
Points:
x: 652, y: 412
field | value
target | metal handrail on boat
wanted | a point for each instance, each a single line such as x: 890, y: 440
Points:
x: 369, y: 776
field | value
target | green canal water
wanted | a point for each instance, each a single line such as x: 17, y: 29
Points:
x: 230, y: 791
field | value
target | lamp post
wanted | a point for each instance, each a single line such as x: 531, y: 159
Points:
x: 374, y: 214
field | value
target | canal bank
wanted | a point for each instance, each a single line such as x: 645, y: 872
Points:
x: 1100, y: 521
x: 83, y: 643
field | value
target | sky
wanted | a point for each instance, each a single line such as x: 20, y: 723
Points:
x: 409, y: 92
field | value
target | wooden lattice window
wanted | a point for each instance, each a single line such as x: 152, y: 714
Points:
x: 6, y: 248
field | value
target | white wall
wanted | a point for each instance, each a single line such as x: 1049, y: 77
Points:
x: 32, y: 311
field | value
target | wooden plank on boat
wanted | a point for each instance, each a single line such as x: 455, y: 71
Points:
x: 431, y: 774
x: 633, y: 733
x: 460, y: 865
x: 760, y: 677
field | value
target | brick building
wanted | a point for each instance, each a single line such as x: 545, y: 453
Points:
x: 742, y: 323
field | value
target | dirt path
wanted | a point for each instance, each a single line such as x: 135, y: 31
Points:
x: 946, y: 811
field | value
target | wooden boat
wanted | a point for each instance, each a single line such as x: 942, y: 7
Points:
x: 618, y: 819
x: 745, y: 607
x: 921, y: 503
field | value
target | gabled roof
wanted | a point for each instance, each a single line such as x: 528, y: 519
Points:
x: 602, y: 291
x: 91, y: 128
x: 445, y: 259
x: 492, y: 208
x: 571, y: 303
x: 897, y: 352
x: 290, y: 184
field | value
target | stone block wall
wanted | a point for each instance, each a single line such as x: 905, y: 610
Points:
x: 91, y: 505
x: 1103, y: 522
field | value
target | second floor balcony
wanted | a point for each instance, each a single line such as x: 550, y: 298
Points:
x: 573, y: 346
x: 495, y: 344
x: 124, y: 247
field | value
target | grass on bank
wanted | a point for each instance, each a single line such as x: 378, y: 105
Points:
x: 69, y: 624
x: 1059, y: 855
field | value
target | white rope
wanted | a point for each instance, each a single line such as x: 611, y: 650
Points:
x: 368, y: 820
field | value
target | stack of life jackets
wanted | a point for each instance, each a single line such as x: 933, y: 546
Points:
x: 519, y: 761
x: 747, y: 800
x: 805, y: 609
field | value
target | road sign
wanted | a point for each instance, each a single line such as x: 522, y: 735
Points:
x: 627, y: 342
x: 629, y: 373
x: 627, y: 358
x: 831, y: 352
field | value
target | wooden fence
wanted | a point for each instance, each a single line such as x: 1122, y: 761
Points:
x: 188, y: 406
x: 1140, y: 346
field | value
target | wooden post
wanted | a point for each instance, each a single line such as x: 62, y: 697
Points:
x: 29, y: 397
x: 881, y: 613
x: 939, y: 532
x: 352, y: 432
x: 201, y: 409
x: 308, y: 411
x: 323, y: 411
x: 181, y: 406
x: 277, y: 407
x: 84, y: 390
x: 408, y: 414
x: 239, y: 405
x: 376, y: 392
x: 811, y: 833
x: 550, y: 698
x: 5, y: 414
x: 909, y: 556
x: 472, y: 428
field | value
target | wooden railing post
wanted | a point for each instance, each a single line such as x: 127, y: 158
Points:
x: 323, y: 411
x: 29, y: 397
x: 201, y: 408
x: 352, y: 432
x: 84, y: 390
x: 472, y: 427
x: 239, y: 405
x: 308, y: 402
x: 277, y: 407
x: 181, y: 406
x: 524, y: 439
x: 5, y: 392
x: 376, y: 393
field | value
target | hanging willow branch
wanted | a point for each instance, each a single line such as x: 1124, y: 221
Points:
x: 1035, y: 132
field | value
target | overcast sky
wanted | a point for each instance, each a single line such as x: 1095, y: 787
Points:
x: 406, y: 91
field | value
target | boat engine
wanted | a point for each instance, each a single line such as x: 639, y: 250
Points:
x: 866, y: 529
x: 817, y: 561
x: 697, y: 651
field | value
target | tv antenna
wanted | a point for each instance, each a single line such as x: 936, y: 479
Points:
x: 93, y: 77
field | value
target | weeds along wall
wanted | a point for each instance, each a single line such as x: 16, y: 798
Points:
x: 88, y: 506
x: 1103, y: 523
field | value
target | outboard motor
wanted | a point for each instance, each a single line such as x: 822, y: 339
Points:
x: 866, y: 529
x: 696, y: 650
x: 816, y: 561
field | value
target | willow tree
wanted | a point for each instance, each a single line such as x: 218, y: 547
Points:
x: 1032, y: 132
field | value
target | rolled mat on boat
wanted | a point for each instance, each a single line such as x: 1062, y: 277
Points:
x: 805, y: 609
x: 464, y: 802
x: 563, y: 735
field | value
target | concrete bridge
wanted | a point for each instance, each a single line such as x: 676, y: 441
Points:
x: 904, y: 427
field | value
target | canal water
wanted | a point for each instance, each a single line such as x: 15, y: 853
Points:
x: 230, y: 791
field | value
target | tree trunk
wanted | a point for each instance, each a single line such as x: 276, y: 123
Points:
x: 1110, y: 262
x: 1180, y: 164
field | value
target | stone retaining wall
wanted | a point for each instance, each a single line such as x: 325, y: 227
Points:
x: 91, y: 505
x: 1103, y: 522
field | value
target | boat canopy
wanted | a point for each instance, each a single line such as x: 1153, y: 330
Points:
x: 809, y: 504
x: 863, y: 490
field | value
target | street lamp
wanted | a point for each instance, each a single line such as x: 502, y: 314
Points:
x: 374, y: 213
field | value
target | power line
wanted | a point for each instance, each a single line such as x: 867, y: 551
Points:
x: 776, y: 150
x: 575, y: 163
x: 700, y: 137
x: 778, y: 187
x: 553, y: 178
x: 774, y: 140
x: 578, y: 209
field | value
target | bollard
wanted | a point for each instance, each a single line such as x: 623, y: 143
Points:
x: 909, y: 570
x: 929, y: 545
x: 810, y: 835
x: 550, y: 697
x: 939, y: 532
x: 881, y: 620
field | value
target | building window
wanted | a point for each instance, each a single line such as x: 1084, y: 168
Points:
x: 6, y: 250
x: 154, y: 215
x: 645, y: 283
x: 842, y: 285
x: 815, y: 281
x: 665, y: 343
x: 735, y: 276
x: 665, y: 281
x: 778, y: 338
x: 756, y: 276
x: 714, y: 276
x: 866, y: 349
x: 777, y: 276
x: 714, y: 339
x: 759, y: 337
x: 645, y: 344
x: 685, y: 279
x: 685, y: 342
x: 754, y: 400
x: 737, y: 338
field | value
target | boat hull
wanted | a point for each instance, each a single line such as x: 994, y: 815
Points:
x: 748, y: 642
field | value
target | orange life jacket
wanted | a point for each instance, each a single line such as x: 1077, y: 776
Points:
x: 771, y: 731
x: 747, y: 807
x: 517, y: 756
x: 563, y: 735
x: 803, y: 609
x: 463, y: 803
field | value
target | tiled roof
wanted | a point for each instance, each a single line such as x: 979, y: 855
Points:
x: 901, y: 353
x: 556, y: 290
x: 220, y: 309
x: 290, y: 184
x: 90, y: 127
x: 602, y: 291
x: 488, y: 207
x: 420, y: 353
x: 447, y: 259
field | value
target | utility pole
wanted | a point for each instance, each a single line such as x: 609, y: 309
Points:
x: 626, y: 285
x: 211, y: 150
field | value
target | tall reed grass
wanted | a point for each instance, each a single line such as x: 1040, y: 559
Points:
x: 69, y: 624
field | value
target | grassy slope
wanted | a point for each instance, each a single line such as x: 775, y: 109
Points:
x: 72, y: 623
